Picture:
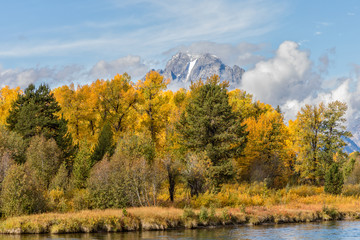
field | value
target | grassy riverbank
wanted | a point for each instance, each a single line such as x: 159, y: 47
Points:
x: 234, y: 204
x: 156, y: 218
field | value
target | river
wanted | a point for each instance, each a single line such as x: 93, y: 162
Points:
x: 317, y: 230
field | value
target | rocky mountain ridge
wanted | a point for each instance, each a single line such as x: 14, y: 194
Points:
x: 183, y: 68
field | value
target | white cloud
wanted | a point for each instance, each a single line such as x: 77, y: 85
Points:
x: 288, y: 75
x: 133, y: 65
x: 341, y: 93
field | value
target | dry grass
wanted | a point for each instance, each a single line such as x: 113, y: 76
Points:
x: 234, y: 204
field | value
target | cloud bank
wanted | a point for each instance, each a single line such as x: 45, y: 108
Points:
x: 57, y: 76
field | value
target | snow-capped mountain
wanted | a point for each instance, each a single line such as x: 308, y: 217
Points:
x: 184, y: 68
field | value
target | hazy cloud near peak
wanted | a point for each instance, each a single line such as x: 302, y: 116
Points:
x: 56, y: 76
x: 243, y: 54
x: 133, y: 65
x: 52, y: 76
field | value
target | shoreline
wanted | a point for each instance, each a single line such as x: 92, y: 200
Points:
x: 161, y: 218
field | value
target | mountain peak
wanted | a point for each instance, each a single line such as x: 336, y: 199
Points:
x: 185, y: 67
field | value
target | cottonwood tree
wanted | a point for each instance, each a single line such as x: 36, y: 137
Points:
x: 320, y: 144
x: 266, y: 156
x: 152, y: 104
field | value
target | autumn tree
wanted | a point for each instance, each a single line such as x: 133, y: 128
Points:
x: 144, y: 174
x: 310, y: 125
x: 13, y: 144
x: 43, y: 157
x: 266, y: 156
x: 209, y: 125
x: 7, y: 97
x: 242, y: 103
x: 117, y: 101
x: 153, y: 104
x: 80, y: 106
x: 334, y: 131
x: 320, y: 143
x: 21, y: 194
x: 171, y: 153
x: 107, y: 185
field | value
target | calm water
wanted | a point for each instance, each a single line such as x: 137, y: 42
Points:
x: 325, y: 230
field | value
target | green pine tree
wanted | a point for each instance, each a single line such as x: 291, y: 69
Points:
x: 104, y: 145
x: 35, y: 113
x: 209, y: 125
x: 82, y: 166
x: 334, y: 179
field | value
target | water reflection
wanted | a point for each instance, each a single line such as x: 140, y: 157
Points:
x: 321, y: 230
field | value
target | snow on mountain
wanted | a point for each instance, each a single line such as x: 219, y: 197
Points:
x: 183, y: 68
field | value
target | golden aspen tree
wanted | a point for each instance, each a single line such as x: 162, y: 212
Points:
x: 7, y: 97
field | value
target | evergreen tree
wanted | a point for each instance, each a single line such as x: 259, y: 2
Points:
x: 35, y: 113
x: 334, y: 179
x: 104, y: 145
x: 82, y: 166
x: 208, y: 124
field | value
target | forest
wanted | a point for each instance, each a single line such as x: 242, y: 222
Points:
x: 117, y: 144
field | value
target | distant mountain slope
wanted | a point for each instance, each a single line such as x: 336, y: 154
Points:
x: 351, y: 146
x: 183, y: 68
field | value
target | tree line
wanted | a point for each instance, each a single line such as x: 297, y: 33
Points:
x: 114, y: 143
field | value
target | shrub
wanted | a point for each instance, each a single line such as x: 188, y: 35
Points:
x: 331, y: 212
x: 306, y: 190
x: 21, y: 194
x: 351, y: 190
x: 188, y: 213
x: 81, y: 199
x: 204, y: 214
x: 212, y: 212
x: 226, y: 215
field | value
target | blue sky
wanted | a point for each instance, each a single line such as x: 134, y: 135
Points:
x: 294, y: 52
x: 54, y: 34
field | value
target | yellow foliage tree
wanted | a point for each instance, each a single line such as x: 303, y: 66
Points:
x: 7, y: 96
x: 267, y: 155
x: 153, y: 106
